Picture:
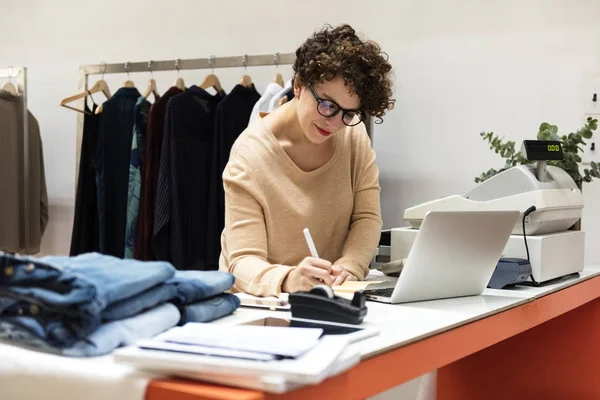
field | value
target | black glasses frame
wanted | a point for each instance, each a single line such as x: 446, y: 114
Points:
x: 360, y: 114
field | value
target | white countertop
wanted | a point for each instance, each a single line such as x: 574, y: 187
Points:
x: 401, y: 324
x: 27, y: 374
x: 398, y: 326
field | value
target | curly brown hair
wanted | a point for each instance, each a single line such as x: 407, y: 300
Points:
x: 339, y: 51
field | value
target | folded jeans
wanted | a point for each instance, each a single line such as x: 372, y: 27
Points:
x: 108, y: 337
x: 64, y: 300
x: 209, y: 309
x: 75, y: 290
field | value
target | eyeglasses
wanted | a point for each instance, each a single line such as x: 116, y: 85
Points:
x: 329, y: 108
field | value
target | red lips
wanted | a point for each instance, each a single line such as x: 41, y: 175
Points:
x: 323, y: 131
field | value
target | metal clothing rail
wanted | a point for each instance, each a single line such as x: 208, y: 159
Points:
x: 20, y: 75
x: 190, y: 64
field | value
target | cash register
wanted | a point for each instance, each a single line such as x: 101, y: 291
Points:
x: 548, y: 199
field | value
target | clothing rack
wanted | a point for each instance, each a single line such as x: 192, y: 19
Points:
x: 191, y: 64
x: 20, y: 75
x: 211, y: 62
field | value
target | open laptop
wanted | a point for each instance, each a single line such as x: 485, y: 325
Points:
x: 454, y: 254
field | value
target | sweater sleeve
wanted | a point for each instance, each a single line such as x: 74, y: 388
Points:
x: 246, y: 235
x: 365, y: 222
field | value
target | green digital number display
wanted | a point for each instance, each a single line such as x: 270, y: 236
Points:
x: 536, y: 150
x: 553, y: 147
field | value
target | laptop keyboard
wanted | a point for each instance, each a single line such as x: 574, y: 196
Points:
x: 380, y: 292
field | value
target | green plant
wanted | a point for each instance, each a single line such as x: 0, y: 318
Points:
x: 571, y: 144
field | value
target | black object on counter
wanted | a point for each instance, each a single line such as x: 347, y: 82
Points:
x: 320, y: 303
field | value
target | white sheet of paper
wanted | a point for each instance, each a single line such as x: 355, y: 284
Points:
x: 284, y: 341
x: 203, y: 350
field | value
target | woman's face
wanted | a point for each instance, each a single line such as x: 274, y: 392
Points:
x: 318, y: 128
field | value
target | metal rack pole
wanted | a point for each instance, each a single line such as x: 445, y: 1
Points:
x: 20, y: 73
x: 192, y: 64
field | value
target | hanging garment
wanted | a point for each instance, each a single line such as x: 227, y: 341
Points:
x: 154, y: 137
x: 274, y: 102
x: 181, y: 218
x: 12, y: 204
x: 262, y: 105
x: 85, y: 234
x: 112, y: 168
x: 231, y: 120
x: 136, y: 166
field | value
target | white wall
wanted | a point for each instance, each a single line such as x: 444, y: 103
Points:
x: 461, y: 67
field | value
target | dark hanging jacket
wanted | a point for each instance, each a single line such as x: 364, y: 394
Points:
x: 232, y: 118
x: 154, y: 138
x: 181, y: 217
x: 112, y: 168
x: 85, y: 234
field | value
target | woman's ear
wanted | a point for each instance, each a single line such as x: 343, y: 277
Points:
x: 296, y: 84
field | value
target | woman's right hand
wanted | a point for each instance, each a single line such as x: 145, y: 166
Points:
x: 310, y: 272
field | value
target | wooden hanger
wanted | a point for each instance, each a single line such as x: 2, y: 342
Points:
x: 278, y: 79
x: 10, y: 88
x: 246, y: 81
x: 99, y: 86
x: 179, y: 83
x: 211, y: 80
x: 151, y: 89
x: 127, y: 84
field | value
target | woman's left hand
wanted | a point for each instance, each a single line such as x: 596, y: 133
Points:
x: 341, y: 274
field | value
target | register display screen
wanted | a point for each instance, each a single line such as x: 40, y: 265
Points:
x: 328, y: 329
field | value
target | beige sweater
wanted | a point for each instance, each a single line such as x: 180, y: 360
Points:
x: 269, y: 200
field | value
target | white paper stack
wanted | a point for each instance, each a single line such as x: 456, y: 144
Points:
x: 273, y: 359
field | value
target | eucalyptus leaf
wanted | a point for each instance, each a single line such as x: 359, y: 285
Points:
x: 571, y: 144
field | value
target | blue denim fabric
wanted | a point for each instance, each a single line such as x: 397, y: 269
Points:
x: 76, y: 290
x: 209, y: 309
x: 152, y: 297
x: 185, y: 287
x: 108, y: 337
x: 193, y: 286
x: 66, y: 302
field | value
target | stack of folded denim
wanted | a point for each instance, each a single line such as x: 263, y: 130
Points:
x: 91, y: 304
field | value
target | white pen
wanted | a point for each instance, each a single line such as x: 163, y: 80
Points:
x: 311, y: 244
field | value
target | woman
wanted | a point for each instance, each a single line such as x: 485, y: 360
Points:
x: 309, y: 164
